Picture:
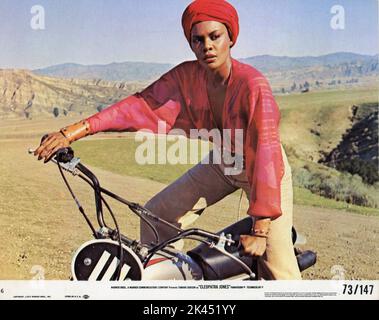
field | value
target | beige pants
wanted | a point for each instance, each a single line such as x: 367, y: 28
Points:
x: 204, y: 185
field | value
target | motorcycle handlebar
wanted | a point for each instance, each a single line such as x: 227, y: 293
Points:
x: 66, y: 155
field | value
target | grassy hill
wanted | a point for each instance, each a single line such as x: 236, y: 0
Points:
x: 96, y: 153
x: 315, y: 122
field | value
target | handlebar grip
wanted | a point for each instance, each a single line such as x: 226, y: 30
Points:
x: 64, y: 155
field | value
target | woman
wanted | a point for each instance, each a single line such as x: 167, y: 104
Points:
x: 215, y: 91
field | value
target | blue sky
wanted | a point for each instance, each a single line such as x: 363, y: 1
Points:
x: 100, y: 31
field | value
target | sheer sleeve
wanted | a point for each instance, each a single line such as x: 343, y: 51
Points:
x: 158, y: 102
x: 264, y: 162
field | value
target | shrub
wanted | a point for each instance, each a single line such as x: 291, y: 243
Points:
x: 55, y: 112
x: 341, y: 186
x: 368, y: 170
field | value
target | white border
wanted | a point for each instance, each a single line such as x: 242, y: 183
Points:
x: 188, y: 290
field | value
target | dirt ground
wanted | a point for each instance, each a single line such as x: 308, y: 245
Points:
x: 41, y: 228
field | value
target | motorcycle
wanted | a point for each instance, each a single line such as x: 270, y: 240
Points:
x: 112, y: 255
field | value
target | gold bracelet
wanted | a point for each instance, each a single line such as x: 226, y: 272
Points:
x: 76, y: 131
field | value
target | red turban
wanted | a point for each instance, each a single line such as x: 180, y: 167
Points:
x: 211, y: 10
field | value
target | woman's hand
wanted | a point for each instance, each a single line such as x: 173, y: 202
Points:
x: 61, y: 139
x: 50, y: 145
x: 255, y: 246
x: 256, y: 243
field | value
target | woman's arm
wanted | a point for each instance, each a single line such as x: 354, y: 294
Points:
x: 158, y: 102
x: 264, y: 163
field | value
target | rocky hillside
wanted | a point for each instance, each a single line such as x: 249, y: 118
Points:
x: 358, y: 149
x: 24, y: 94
